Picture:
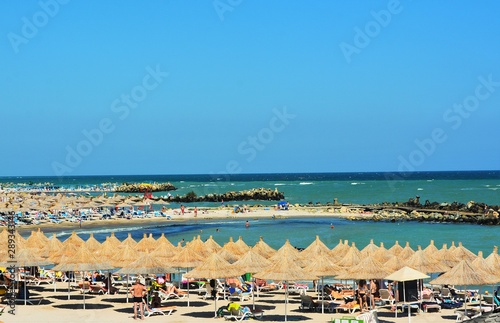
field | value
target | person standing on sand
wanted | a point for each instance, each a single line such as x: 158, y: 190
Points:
x: 138, y: 291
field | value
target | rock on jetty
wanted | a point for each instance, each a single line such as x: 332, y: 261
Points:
x: 253, y: 194
x: 142, y: 187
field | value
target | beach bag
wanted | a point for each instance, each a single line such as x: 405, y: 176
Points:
x: 220, y: 311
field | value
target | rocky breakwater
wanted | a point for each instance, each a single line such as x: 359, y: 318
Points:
x: 262, y: 194
x: 471, y: 212
x: 143, y: 187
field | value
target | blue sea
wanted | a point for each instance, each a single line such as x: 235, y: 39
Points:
x: 362, y: 188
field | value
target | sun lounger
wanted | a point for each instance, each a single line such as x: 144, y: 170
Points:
x: 164, y: 310
x: 97, y: 289
x: 167, y: 296
x: 348, y: 308
x: 238, y: 315
x: 30, y: 301
x: 307, y: 303
x: 369, y: 317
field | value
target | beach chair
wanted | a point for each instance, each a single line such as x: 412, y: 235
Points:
x: 166, y: 296
x: 307, y: 303
x: 386, y: 297
x: 97, y: 289
x: 31, y: 301
x: 240, y: 314
x: 235, y: 294
x: 163, y: 310
x: 211, y: 292
x: 348, y: 307
x: 369, y: 317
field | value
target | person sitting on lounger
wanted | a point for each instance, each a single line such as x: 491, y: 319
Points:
x: 155, y: 300
x: 171, y: 289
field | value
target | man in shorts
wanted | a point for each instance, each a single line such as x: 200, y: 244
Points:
x: 138, y: 291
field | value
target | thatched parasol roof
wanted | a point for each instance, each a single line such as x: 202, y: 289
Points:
x: 316, y: 247
x: 212, y: 245
x: 214, y: 267
x: 465, y: 274
x: 263, y: 249
x: 252, y: 262
x: 396, y: 249
x: 424, y: 263
x: 146, y: 264
x: 81, y: 260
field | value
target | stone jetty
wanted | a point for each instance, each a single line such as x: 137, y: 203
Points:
x: 262, y: 194
x: 142, y: 187
x: 413, y: 210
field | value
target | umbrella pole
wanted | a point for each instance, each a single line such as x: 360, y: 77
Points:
x: 253, y: 295
x: 188, y: 291
x: 84, y: 296
x: 286, y: 298
x: 69, y: 290
x: 127, y: 288
x: 24, y: 288
x: 322, y: 296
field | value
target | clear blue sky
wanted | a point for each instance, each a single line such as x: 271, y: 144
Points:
x: 183, y: 87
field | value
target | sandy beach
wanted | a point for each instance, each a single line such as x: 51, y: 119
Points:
x: 219, y: 213
x: 113, y: 308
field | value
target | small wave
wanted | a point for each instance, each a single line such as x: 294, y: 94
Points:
x: 357, y: 183
x: 420, y: 189
x: 305, y: 183
x: 279, y: 184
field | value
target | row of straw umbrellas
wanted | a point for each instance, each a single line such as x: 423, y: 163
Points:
x: 207, y: 259
x: 26, y: 202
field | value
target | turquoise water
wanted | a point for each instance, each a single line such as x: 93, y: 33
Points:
x: 302, y: 231
x: 359, y: 188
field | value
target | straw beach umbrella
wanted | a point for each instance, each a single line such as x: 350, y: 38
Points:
x: 340, y: 250
x: 186, y: 258
x: 425, y: 263
x: 82, y: 260
x: 464, y: 273
x: 382, y: 254
x: 252, y: 262
x: 369, y: 249
x: 27, y: 257
x: 125, y: 256
x: 212, y: 268
x: 316, y: 247
x: 211, y: 245
x: 129, y: 241
x: 322, y: 266
x: 406, y: 252
x: 286, y: 269
x: 396, y: 249
x: 263, y: 249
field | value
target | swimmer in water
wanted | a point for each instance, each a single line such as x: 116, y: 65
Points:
x: 247, y: 224
x: 332, y: 226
